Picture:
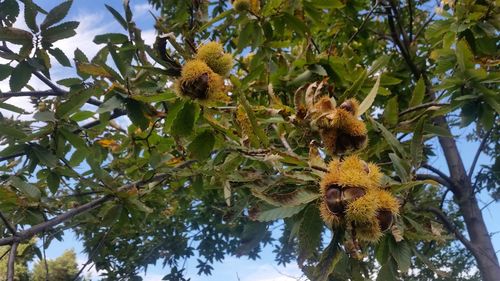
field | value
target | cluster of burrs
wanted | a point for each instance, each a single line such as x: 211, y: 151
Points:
x: 352, y: 195
x: 202, y: 78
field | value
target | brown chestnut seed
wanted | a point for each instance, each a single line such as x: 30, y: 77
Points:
x: 347, y: 106
x: 197, y: 88
x: 333, y: 198
x: 350, y: 194
x: 365, y: 167
x: 385, y: 219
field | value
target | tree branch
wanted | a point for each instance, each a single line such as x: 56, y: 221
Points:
x: 11, y: 261
x: 437, y: 179
x: 38, y: 74
x: 37, y: 94
x: 451, y: 227
x: 478, y: 153
x: 116, y: 114
x: 438, y: 172
x: 30, y: 232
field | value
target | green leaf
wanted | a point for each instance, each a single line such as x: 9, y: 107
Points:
x: 15, y: 36
x: 401, y: 252
x: 30, y: 13
x: 389, y: 137
x: 44, y: 116
x: 21, y: 74
x: 354, y: 89
x: 465, y: 58
x: 296, y: 24
x: 330, y: 257
x: 12, y: 108
x: 310, y: 232
x: 121, y: 63
x: 368, y: 101
x: 74, y: 102
x: 136, y: 112
x: 245, y: 36
x: 11, y: 132
x: 58, y: 32
x: 279, y: 213
x: 5, y: 71
x: 68, y: 82
x: 253, y: 233
x: 387, y: 272
x: 493, y: 101
x: 53, y: 181
x: 253, y: 121
x: 290, y: 199
x: 417, y: 143
x: 117, y: 16
x: 417, y: 97
x: 110, y: 105
x: 401, y: 168
x: 183, y: 123
x: 57, y: 14
x: 80, y: 56
x: 378, y: 64
x: 75, y: 140
x: 28, y: 189
x: 327, y: 4
x: 140, y: 206
x: 437, y: 130
x: 202, y: 145
x: 216, y: 19
x: 60, y: 56
x: 44, y: 155
x: 391, y: 111
x: 382, y: 249
x: 114, y: 38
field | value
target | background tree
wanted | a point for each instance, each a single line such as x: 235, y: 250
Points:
x: 62, y: 268
x: 176, y: 177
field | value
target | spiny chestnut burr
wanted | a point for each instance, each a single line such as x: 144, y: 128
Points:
x: 340, y: 129
x: 200, y: 83
x: 352, y: 195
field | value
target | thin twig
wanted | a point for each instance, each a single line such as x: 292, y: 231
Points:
x: 284, y: 141
x: 420, y: 106
x: 424, y: 26
x: 478, y: 153
x: 441, y: 204
x: 410, y: 12
x: 363, y: 23
x: 11, y: 261
x: 92, y: 253
x: 46, y: 264
x: 4, y: 254
x: 451, y: 227
x: 9, y: 226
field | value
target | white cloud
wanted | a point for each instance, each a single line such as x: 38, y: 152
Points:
x: 91, y: 24
x: 140, y: 10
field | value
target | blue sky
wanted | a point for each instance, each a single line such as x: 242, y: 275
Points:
x: 94, y: 19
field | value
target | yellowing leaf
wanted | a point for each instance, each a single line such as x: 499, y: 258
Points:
x: 368, y: 101
x: 92, y: 69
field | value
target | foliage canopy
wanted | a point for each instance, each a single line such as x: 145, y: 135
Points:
x: 146, y: 163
